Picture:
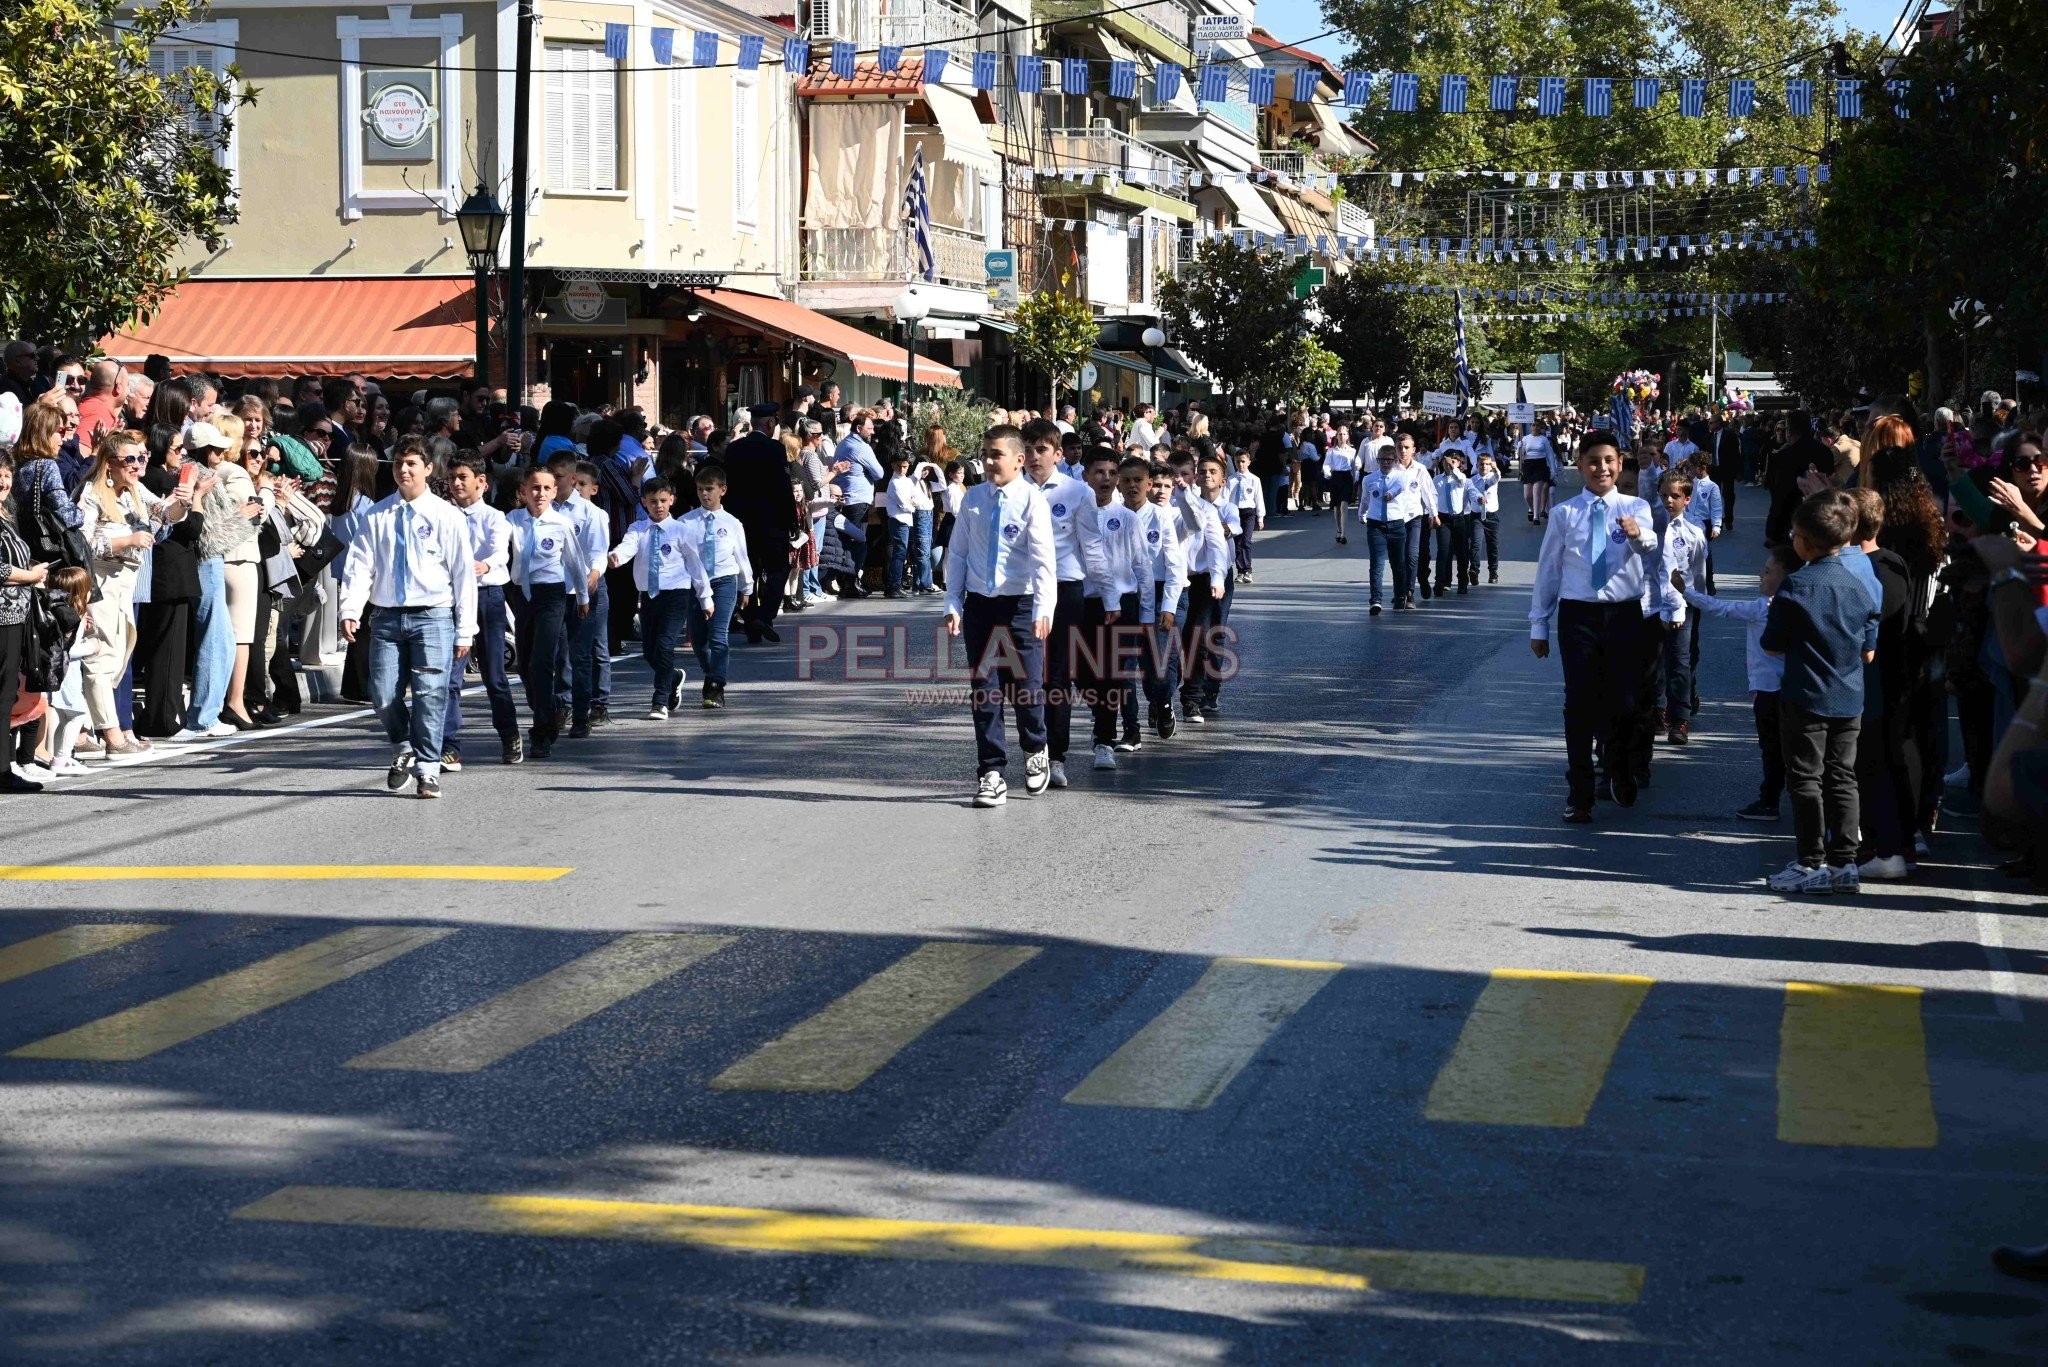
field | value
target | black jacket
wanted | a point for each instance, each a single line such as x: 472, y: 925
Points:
x: 174, y: 564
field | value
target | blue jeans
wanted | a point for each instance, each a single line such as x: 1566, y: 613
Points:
x: 1015, y: 676
x: 411, y: 648
x: 662, y: 619
x: 810, y: 585
x: 1404, y: 548
x: 711, y: 637
x: 541, y: 619
x: 584, y: 677
x: 921, y: 549
x: 489, y: 652
x: 1378, y: 549
x: 214, y: 648
x: 899, y: 553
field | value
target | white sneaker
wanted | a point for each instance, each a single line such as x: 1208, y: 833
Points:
x: 1959, y: 777
x: 67, y: 768
x: 220, y: 730
x: 1105, y: 758
x: 990, y: 790
x: 1843, y: 878
x: 1037, y: 772
x: 1797, y: 877
x: 185, y: 735
x: 657, y: 713
x: 1059, y: 773
x: 1920, y: 847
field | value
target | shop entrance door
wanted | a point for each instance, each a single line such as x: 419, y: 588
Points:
x: 586, y: 371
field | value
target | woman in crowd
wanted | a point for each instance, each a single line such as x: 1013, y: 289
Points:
x: 228, y: 532
x: 355, y: 481
x: 1916, y: 532
x: 557, y: 418
x: 236, y: 541
x: 376, y: 426
x: 122, y: 521
x: 19, y: 576
x: 164, y: 633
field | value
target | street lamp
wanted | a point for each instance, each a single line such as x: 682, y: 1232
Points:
x: 1153, y: 339
x: 482, y: 221
x: 910, y: 306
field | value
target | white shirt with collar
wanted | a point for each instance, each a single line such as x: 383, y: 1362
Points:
x: 490, y: 542
x: 1564, y: 567
x: 1408, y: 492
x: 1127, y: 560
x: 672, y: 546
x: 547, y: 550
x: 1451, y: 490
x: 1169, y: 557
x: 1144, y: 434
x: 592, y: 526
x: 1341, y: 459
x: 1228, y: 515
x: 721, y: 545
x: 1201, y: 536
x: 437, y: 570
x: 1077, y: 544
x: 1002, y: 545
x: 1681, y: 546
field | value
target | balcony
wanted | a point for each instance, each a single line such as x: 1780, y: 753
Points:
x: 1353, y: 220
x: 897, y: 23
x: 1164, y: 28
x: 864, y: 256
x: 1102, y: 148
x: 1293, y: 163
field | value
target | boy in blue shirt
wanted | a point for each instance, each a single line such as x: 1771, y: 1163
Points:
x: 1824, y: 625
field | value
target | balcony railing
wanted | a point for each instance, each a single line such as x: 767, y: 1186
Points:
x: 1102, y: 148
x: 863, y: 254
x: 902, y: 23
x: 1169, y: 18
x: 1293, y: 163
x: 1353, y: 220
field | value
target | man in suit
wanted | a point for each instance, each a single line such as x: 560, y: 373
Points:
x: 1724, y: 463
x: 758, y: 494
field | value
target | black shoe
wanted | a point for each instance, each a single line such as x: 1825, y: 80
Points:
x: 1494, y: 577
x: 1162, y: 721
x: 886, y: 593
x: 1624, y: 794
x: 1375, y: 610
x: 1759, y: 810
x: 514, y: 752
x: 400, y: 772
x: 1603, y: 791
x: 2031, y: 1263
x: 675, y: 694
x: 265, y: 719
x: 540, y: 742
x: 1211, y: 708
x: 11, y: 782
x: 774, y: 636
x: 579, y: 729
x: 426, y: 787
x: 1464, y: 588
x: 1130, y: 744
x: 753, y: 636
x: 600, y: 715
x: 717, y: 695
x: 793, y: 605
x: 1578, y: 816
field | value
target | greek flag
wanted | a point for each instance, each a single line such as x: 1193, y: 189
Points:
x: 1741, y: 98
x: 1692, y: 97
x: 1258, y: 85
x: 703, y: 49
x: 935, y: 59
x: 1848, y: 99
x: 1899, y: 90
x: 1550, y: 96
x: 616, y: 36
x: 1402, y: 92
x: 1624, y: 421
x: 1648, y: 91
x: 1306, y: 78
x: 1357, y: 87
x: 1123, y: 79
x: 917, y: 209
x: 663, y: 41
x: 1074, y: 76
x: 1030, y: 75
x: 1213, y: 86
x: 750, y: 52
x: 1505, y: 88
x: 1450, y: 94
x: 888, y: 58
x: 1599, y: 96
x: 1799, y: 97
x: 985, y: 68
x: 1464, y: 368
x: 1165, y: 82
x: 796, y: 55
x: 842, y: 60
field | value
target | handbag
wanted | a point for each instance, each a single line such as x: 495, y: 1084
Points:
x: 49, y: 540
x: 43, y: 655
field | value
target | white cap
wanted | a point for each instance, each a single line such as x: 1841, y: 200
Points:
x: 1944, y: 415
x: 204, y: 436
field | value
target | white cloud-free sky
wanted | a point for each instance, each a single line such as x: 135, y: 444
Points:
x: 1293, y: 20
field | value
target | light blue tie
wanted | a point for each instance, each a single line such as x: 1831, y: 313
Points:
x: 995, y: 546
x: 398, y: 565
x: 654, y: 558
x: 1596, y: 544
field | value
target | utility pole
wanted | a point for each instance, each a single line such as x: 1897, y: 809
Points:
x: 515, y: 290
x: 1714, y: 354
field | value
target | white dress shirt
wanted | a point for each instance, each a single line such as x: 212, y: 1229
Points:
x: 547, y: 551
x: 1483, y: 494
x: 1169, y: 557
x: 1705, y: 510
x: 721, y: 545
x: 592, y: 526
x: 1002, y: 544
x: 1201, y: 536
x: 490, y: 544
x: 1407, y: 493
x: 1341, y: 459
x: 1143, y: 434
x: 412, y: 555
x: 1450, y: 494
x: 1077, y: 545
x: 1126, y: 559
x: 1564, y: 568
x: 899, y: 499
x: 1681, y: 546
x: 664, y: 557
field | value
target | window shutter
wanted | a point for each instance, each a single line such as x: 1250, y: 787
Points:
x: 603, y: 134
x: 746, y: 180
x: 682, y: 140
x: 557, y: 118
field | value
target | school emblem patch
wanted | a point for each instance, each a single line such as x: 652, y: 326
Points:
x: 1010, y: 530
x: 1153, y: 535
x: 547, y: 543
x: 1115, y: 523
x: 1059, y: 510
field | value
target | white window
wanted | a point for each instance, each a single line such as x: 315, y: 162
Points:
x: 168, y: 59
x: 682, y: 138
x: 746, y: 154
x: 582, y: 118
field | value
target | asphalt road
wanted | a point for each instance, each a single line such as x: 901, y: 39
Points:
x: 1310, y: 1035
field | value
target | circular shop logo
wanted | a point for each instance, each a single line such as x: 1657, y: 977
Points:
x: 400, y: 115
x: 584, y: 300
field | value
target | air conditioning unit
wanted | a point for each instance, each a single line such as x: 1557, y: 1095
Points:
x: 822, y: 14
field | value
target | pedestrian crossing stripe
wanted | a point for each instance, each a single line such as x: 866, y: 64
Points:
x: 855, y: 1037
x: 544, y: 1006
x: 1184, y: 1058
x: 157, y: 1025
x: 799, y: 1233
x: 271, y: 873
x: 1536, y: 1048
x: 1852, y: 1068
x: 24, y: 957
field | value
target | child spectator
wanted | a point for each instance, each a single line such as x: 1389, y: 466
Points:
x: 1766, y: 671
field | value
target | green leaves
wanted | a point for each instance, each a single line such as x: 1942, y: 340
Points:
x: 1234, y: 310
x: 1055, y: 333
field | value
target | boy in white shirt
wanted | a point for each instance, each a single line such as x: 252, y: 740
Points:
x: 1209, y: 565
x: 1249, y: 497
x: 490, y: 548
x: 1454, y: 541
x: 671, y: 580
x: 899, y: 506
x: 1485, y: 496
x: 1766, y: 672
x: 1217, y: 661
x: 546, y: 573
x: 584, y: 682
x: 722, y: 547
x: 1170, y: 585
x: 1127, y: 598
x: 1681, y: 550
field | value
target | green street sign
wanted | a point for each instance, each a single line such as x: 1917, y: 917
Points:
x: 1307, y: 278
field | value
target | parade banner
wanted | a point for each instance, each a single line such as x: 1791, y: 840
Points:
x: 1441, y: 405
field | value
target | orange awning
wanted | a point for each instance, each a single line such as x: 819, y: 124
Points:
x: 414, y: 328
x: 868, y: 354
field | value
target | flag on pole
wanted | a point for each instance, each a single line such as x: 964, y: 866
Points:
x: 1463, y: 366
x: 917, y: 210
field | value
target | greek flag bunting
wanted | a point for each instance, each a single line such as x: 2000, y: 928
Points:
x: 1306, y: 78
x: 1074, y: 76
x: 1030, y: 75
x: 663, y: 42
x: 1848, y: 99
x: 1165, y: 82
x: 796, y: 55
x: 985, y: 68
x: 1450, y: 94
x: 703, y: 49
x: 1741, y: 98
x: 889, y: 58
x: 1648, y: 90
x: 1258, y: 85
x: 935, y: 59
x: 1799, y: 97
x: 1550, y: 96
x: 1599, y: 96
x: 1357, y: 87
x: 1402, y: 90
x: 750, y: 52
x: 1503, y: 92
x: 1213, y: 87
x: 1899, y: 90
x: 1123, y: 79
x: 842, y: 60
x: 616, y: 37
x: 1692, y: 97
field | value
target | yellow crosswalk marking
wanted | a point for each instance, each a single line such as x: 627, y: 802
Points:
x: 1187, y: 1054
x: 1536, y: 1048
x: 554, y: 1001
x: 846, y: 1043
x: 156, y: 1025
x: 1212, y: 1257
x: 24, y: 957
x: 1852, y: 1068
x: 273, y: 873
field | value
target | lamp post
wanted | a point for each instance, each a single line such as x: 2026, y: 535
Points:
x: 482, y: 221
x: 1154, y: 339
x: 910, y: 307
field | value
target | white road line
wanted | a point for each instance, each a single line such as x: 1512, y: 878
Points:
x: 2004, y: 987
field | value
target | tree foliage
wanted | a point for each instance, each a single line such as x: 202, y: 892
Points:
x: 1313, y: 374
x: 1055, y: 333
x: 104, y: 172
x: 1234, y: 312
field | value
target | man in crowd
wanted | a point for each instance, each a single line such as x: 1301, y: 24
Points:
x: 758, y: 494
